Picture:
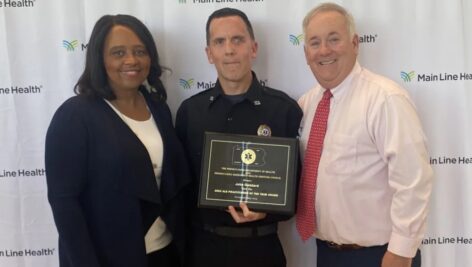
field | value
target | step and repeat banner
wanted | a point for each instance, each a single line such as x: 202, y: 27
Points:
x: 423, y: 45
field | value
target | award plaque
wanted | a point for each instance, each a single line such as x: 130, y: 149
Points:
x: 260, y: 171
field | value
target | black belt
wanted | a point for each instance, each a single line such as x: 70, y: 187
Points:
x: 228, y: 231
x: 346, y: 247
x: 339, y: 247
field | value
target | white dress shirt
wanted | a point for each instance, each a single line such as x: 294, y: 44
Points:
x: 374, y: 177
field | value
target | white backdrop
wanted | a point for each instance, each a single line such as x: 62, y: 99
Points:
x: 424, y: 45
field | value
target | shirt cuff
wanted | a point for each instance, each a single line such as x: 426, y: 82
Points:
x: 403, y: 246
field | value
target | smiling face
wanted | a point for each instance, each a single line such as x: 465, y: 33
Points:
x: 126, y: 59
x: 231, y: 49
x: 330, y: 51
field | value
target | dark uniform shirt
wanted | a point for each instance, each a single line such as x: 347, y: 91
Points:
x: 212, y: 111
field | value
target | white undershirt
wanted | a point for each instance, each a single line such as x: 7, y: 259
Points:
x: 158, y: 236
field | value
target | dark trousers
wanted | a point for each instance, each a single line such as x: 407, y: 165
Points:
x: 211, y: 250
x: 363, y: 257
x: 165, y: 257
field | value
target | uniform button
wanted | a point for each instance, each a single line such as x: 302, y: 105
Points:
x: 230, y: 118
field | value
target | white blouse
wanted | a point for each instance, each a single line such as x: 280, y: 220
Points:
x: 158, y: 236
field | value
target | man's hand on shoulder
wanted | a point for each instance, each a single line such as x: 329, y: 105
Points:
x: 246, y: 215
x: 394, y: 260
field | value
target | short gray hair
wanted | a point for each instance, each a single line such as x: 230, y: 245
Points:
x: 326, y: 7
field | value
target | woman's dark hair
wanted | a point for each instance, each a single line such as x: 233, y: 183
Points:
x: 94, y: 79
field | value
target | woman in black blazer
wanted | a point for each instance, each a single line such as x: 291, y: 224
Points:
x: 114, y: 166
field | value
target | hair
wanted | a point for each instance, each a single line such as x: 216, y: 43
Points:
x: 228, y: 12
x: 94, y: 79
x: 326, y: 7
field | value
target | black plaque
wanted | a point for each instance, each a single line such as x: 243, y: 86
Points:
x: 260, y: 171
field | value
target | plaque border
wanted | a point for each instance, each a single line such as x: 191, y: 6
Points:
x: 291, y: 172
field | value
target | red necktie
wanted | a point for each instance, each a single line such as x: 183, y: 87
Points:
x: 306, y: 215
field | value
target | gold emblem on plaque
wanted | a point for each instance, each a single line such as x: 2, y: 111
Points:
x: 248, y: 156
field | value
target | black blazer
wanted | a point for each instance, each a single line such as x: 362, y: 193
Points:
x: 101, y: 184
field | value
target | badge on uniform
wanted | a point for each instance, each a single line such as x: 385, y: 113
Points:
x: 264, y: 130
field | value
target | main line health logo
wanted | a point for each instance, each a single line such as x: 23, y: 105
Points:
x: 363, y: 38
x: 70, y: 45
x: 296, y: 39
x: 433, y: 77
x: 186, y: 84
x: 17, y: 3
x: 407, y: 76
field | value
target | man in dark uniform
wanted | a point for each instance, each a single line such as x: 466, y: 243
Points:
x: 237, y: 104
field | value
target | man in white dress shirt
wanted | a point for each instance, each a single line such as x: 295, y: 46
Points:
x: 374, y: 179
